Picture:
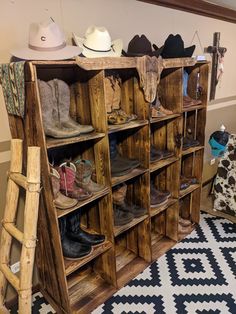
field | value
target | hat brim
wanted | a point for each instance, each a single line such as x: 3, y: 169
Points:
x: 188, y: 52
x: 67, y: 52
x: 116, y: 48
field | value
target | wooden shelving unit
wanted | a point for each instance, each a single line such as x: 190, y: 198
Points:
x: 79, y: 286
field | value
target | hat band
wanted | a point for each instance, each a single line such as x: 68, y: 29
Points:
x: 96, y: 50
x: 48, y: 48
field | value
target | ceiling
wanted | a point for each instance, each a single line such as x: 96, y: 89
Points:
x: 230, y: 4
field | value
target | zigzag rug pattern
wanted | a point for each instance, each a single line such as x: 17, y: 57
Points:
x: 198, y: 276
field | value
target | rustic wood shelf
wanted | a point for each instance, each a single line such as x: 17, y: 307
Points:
x: 162, y: 163
x: 132, y: 174
x: 79, y: 286
x: 120, y: 229
x: 158, y: 209
x: 127, y: 126
x: 189, y: 190
x: 53, y: 142
x: 167, y: 117
x: 191, y: 108
x: 72, y: 265
x: 86, y: 291
x: 95, y: 196
x: 161, y: 245
x: 191, y: 150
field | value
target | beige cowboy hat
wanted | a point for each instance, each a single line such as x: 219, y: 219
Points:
x: 97, y: 43
x: 46, y: 42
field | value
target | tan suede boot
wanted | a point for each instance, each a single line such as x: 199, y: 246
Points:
x: 61, y: 99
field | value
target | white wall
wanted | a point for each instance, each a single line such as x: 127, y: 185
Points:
x: 123, y: 19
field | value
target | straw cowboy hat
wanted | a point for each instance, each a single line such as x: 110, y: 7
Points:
x: 46, y: 42
x: 97, y: 43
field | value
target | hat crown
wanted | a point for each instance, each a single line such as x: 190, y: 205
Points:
x: 45, y: 35
x: 98, y: 38
x: 140, y: 44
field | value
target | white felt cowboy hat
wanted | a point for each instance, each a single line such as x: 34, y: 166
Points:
x: 46, y: 42
x: 97, y: 43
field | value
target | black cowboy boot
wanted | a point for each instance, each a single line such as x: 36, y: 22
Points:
x: 75, y: 233
x: 71, y: 249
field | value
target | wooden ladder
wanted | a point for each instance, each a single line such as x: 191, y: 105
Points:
x: 31, y: 184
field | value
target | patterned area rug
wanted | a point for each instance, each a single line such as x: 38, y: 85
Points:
x: 198, y: 276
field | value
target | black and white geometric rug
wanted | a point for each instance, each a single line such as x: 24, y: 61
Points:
x: 198, y: 276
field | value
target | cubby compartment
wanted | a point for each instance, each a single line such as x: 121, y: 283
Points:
x: 132, y: 197
x: 129, y: 144
x: 193, y: 130
x: 90, y: 219
x: 191, y: 172
x: 89, y: 284
x: 164, y: 230
x: 189, y: 213
x: 124, y: 100
x: 164, y: 187
x: 165, y: 142
x: 170, y: 89
x: 198, y: 82
x: 133, y: 252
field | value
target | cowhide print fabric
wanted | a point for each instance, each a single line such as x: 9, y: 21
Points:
x: 225, y: 182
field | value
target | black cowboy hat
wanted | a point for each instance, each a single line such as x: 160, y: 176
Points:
x: 140, y: 46
x: 174, y: 48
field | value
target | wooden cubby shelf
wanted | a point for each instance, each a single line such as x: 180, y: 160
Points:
x: 95, y: 196
x: 120, y: 229
x: 162, y: 163
x: 158, y: 209
x: 167, y: 117
x: 72, y: 265
x: 79, y: 286
x: 132, y: 174
x: 189, y: 190
x: 53, y: 143
x: 127, y: 126
x: 191, y: 150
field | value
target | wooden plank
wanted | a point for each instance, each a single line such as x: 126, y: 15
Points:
x: 191, y: 150
x: 158, y: 209
x: 188, y: 190
x: 95, y: 196
x: 130, y: 125
x: 162, y: 163
x: 192, y: 108
x: 72, y: 265
x: 161, y: 247
x: 120, y: 229
x: 132, y: 174
x: 172, y: 219
x: 53, y: 142
x: 167, y: 117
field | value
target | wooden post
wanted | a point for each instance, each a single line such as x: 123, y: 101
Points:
x: 30, y: 229
x: 10, y: 212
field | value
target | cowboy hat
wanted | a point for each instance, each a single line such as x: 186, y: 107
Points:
x: 97, y: 43
x: 140, y: 46
x: 174, y: 48
x: 46, y: 42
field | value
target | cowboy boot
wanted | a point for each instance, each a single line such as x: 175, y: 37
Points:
x: 75, y: 233
x: 120, y: 165
x: 51, y: 128
x: 84, y: 170
x: 61, y: 201
x: 68, y: 187
x: 71, y: 249
x: 120, y: 202
x: 61, y: 97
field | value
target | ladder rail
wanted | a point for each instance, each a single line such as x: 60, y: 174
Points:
x: 31, y: 183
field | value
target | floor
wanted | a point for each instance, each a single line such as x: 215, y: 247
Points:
x: 197, y: 276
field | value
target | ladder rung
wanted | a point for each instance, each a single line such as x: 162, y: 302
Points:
x: 3, y: 310
x: 16, y: 233
x: 13, y: 279
x: 19, y: 179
